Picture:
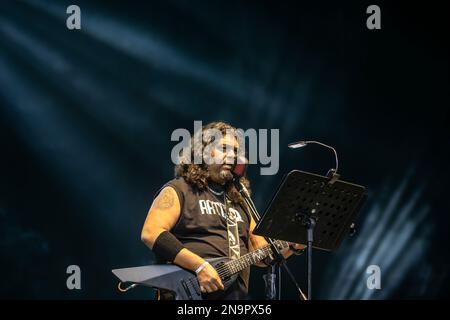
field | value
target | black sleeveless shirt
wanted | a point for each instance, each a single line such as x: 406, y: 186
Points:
x: 202, y: 226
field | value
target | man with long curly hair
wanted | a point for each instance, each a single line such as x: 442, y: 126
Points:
x: 200, y: 214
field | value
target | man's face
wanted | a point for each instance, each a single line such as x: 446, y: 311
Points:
x: 224, y: 153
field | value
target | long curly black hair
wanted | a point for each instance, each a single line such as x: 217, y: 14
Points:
x: 197, y: 175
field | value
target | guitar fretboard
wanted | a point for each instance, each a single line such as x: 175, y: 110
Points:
x: 234, y: 266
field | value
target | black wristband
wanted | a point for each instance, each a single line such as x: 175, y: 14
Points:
x: 167, y: 246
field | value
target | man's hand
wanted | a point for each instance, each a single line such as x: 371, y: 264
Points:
x: 297, y: 246
x: 209, y: 280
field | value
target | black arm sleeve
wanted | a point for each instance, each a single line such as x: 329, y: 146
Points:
x: 167, y: 246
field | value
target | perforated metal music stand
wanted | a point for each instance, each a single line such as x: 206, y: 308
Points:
x: 313, y: 210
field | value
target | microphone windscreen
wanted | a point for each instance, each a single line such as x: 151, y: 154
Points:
x: 240, y: 167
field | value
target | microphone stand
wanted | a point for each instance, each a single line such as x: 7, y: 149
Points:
x: 278, y: 257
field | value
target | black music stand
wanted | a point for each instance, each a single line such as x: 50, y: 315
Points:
x: 314, y: 210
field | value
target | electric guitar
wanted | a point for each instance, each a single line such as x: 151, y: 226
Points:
x: 184, y: 282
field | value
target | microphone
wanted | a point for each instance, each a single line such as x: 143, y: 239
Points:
x: 240, y: 167
x: 238, y: 172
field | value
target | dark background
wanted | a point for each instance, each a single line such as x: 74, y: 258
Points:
x: 86, y: 118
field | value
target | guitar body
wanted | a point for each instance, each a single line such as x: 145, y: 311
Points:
x: 171, y: 277
x: 184, y: 282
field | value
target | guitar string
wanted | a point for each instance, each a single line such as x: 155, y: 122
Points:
x: 265, y: 250
x: 223, y: 270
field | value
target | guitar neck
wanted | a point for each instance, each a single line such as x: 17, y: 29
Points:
x: 251, y: 258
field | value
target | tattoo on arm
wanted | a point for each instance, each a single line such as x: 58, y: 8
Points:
x: 165, y: 200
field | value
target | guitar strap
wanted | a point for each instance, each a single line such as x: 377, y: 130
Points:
x: 232, y: 231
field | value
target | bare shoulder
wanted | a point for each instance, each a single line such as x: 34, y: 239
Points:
x: 167, y: 199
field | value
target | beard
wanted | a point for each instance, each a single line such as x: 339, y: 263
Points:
x: 226, y: 176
